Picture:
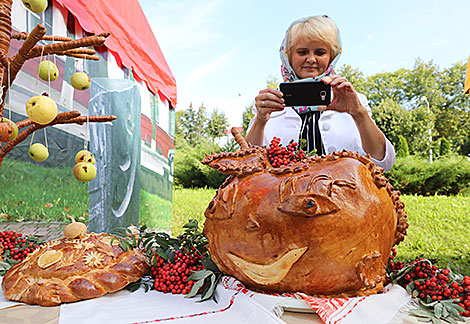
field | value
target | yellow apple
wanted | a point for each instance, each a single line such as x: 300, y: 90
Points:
x: 84, y: 171
x: 41, y: 109
x: 36, y: 6
x: 8, y: 130
x: 85, y: 156
x: 38, y: 152
x: 80, y: 81
x: 48, y: 71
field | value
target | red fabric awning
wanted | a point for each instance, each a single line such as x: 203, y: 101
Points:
x: 131, y: 41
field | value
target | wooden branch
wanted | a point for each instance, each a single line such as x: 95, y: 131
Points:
x: 24, y: 35
x: 4, y: 60
x: 33, y: 38
x: 17, y: 61
x: 91, y: 119
x: 81, y: 56
x: 68, y: 117
x: 84, y: 53
x: 87, y: 51
x: 95, y: 40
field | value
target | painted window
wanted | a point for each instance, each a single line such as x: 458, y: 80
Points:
x: 34, y: 19
x: 172, y: 122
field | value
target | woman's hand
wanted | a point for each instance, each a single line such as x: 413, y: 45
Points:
x: 345, y: 97
x: 267, y: 101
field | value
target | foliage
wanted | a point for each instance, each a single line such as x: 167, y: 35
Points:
x: 247, y: 116
x: 402, y: 147
x: 354, y: 76
x: 190, y: 124
x: 415, y: 175
x: 15, y: 247
x: 272, y: 82
x: 217, y: 124
x: 392, y: 119
x: 399, y: 108
x: 444, y: 148
x: 442, y: 294
x: 160, y: 249
x: 189, y: 171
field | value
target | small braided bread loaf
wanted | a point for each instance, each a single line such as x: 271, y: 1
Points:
x: 67, y: 270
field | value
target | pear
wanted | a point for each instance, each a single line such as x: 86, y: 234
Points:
x: 8, y: 130
x: 41, y: 109
x: 80, y: 81
x: 48, y: 71
x: 38, y: 152
x: 84, y: 171
x: 36, y: 6
x: 85, y: 156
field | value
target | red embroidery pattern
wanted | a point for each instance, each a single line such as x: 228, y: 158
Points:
x: 332, y: 310
x: 192, y: 315
x: 233, y: 284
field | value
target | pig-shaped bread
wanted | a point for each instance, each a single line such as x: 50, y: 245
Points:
x: 325, y: 226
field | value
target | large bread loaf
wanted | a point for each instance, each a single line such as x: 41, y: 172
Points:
x: 67, y: 270
x: 325, y: 226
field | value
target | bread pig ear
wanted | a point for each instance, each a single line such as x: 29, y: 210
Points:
x: 245, y: 161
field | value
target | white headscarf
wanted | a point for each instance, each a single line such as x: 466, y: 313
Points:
x: 288, y: 73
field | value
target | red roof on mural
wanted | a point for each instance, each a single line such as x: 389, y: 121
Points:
x: 131, y: 41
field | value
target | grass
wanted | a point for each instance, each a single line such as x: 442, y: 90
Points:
x: 439, y: 228
x: 33, y: 193
x: 438, y: 225
x: 155, y: 212
x: 189, y: 204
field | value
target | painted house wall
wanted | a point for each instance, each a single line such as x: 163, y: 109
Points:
x: 157, y: 117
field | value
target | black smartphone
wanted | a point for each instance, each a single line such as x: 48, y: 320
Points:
x: 306, y: 93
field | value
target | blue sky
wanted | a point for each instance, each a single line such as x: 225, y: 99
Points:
x: 221, y: 52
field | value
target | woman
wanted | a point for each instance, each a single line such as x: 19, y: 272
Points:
x: 310, y: 50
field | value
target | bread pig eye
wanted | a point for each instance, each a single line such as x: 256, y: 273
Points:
x: 212, y: 205
x: 308, y: 204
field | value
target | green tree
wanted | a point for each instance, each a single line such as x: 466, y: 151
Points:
x: 272, y: 82
x: 189, y: 171
x: 217, y: 124
x: 354, y: 76
x: 453, y: 112
x: 402, y: 147
x: 444, y: 148
x: 417, y: 133
x: 246, y: 117
x: 190, y: 124
x: 386, y: 85
x: 392, y: 119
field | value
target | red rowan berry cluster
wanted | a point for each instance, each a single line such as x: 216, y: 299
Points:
x: 430, y: 283
x: 16, y: 245
x: 282, y: 156
x: 172, y: 276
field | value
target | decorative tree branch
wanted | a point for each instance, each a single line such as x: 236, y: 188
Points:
x: 94, y: 40
x: 24, y: 35
x: 29, y: 49
x: 68, y: 117
x: 16, y: 63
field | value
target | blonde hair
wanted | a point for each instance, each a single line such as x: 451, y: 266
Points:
x: 316, y: 27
